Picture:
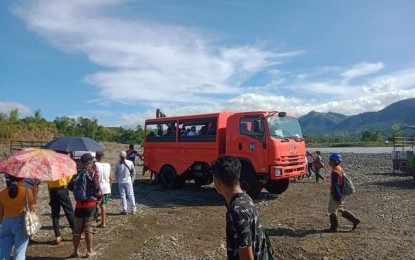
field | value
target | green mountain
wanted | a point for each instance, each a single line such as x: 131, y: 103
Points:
x: 315, y: 121
x: 383, y: 121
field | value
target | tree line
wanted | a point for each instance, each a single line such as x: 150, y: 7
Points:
x: 35, y: 127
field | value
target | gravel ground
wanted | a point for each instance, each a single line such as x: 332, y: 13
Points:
x: 189, y: 223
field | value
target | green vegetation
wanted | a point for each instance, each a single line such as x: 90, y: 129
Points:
x: 36, y: 128
x: 29, y: 128
x: 366, y: 138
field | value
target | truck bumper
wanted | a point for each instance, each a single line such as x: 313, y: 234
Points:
x: 278, y: 172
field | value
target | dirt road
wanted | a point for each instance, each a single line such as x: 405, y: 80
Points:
x: 189, y: 223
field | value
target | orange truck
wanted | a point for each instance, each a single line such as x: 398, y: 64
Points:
x: 269, y: 145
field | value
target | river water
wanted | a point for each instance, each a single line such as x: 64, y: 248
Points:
x: 385, y: 149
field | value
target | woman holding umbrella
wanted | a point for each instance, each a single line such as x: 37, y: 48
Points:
x: 12, y: 219
x: 39, y: 164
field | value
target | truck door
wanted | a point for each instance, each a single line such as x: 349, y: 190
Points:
x: 251, y: 142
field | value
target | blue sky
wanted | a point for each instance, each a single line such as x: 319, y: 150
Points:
x: 119, y: 60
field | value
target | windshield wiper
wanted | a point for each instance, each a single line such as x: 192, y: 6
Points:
x: 299, y: 139
x: 296, y: 137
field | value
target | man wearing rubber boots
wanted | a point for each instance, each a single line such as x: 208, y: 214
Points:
x: 336, y: 197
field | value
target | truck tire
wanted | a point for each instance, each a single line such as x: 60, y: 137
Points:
x: 180, y: 181
x: 250, y: 183
x: 201, y: 181
x: 277, y: 187
x: 169, y: 177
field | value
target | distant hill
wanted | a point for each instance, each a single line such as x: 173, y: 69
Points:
x: 384, y: 121
x: 315, y: 122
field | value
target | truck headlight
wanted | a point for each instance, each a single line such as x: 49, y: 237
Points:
x: 277, y: 172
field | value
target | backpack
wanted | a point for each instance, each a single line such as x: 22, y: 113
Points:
x: 82, y: 188
x: 317, y: 164
x: 348, y: 187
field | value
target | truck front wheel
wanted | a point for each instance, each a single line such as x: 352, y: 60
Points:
x: 277, y: 187
x: 250, y: 183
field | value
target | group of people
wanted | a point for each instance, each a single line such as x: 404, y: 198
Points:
x: 209, y: 128
x: 99, y: 178
x: 83, y: 219
x: 245, y: 235
x: 314, y: 164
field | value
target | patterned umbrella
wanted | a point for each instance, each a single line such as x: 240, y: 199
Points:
x: 39, y: 164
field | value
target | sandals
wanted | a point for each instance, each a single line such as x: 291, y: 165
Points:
x: 102, y: 226
x: 91, y: 254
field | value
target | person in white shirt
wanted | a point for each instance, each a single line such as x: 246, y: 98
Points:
x: 310, y: 160
x: 125, y: 174
x: 105, y: 181
x: 192, y: 131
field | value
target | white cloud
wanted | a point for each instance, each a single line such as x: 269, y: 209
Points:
x: 362, y: 69
x: 144, y: 61
x: 323, y: 96
x: 403, y: 79
x: 372, y: 96
x: 6, y: 107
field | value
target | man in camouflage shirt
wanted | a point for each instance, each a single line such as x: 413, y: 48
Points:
x: 245, y: 236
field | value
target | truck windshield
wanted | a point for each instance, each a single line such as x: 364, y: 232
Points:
x: 284, y: 127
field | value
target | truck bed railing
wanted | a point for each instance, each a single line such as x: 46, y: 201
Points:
x: 403, y: 143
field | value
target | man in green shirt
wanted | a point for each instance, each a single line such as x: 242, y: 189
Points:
x: 245, y: 236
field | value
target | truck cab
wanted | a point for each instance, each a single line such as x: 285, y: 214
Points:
x: 270, y: 147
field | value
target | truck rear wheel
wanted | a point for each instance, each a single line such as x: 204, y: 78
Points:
x: 250, y: 183
x: 277, y: 187
x: 169, y: 177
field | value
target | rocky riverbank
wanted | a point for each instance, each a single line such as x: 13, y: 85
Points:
x: 189, y: 223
